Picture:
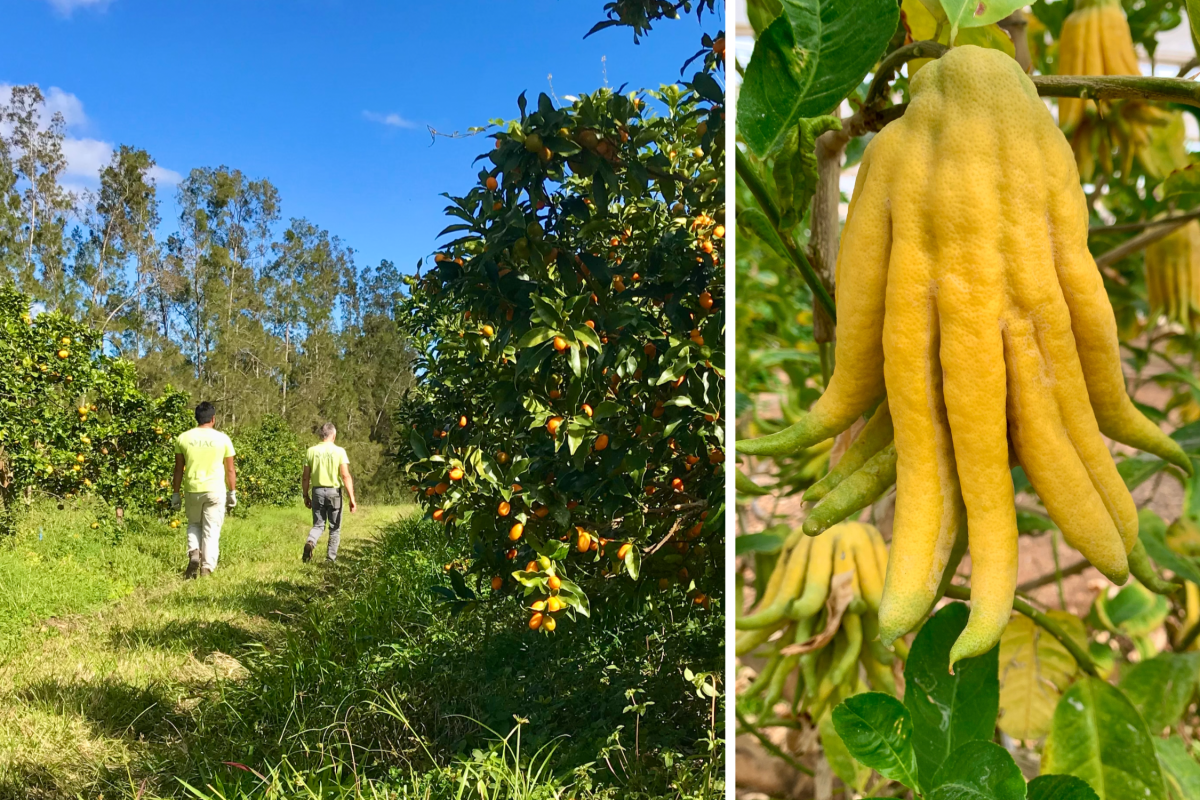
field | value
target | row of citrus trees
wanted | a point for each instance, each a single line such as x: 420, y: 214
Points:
x: 73, y: 422
x: 567, y: 414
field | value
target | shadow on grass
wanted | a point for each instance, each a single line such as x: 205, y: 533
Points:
x: 112, y: 708
x: 202, y: 638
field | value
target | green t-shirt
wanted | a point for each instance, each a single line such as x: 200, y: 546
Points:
x: 204, y: 451
x: 323, y: 461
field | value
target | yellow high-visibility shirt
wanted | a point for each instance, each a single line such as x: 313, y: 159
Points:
x: 204, y: 452
x: 324, y: 461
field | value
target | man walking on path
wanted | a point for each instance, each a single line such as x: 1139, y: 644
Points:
x: 204, y: 466
x: 326, y: 470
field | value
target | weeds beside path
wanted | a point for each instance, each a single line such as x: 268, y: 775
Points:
x: 86, y: 682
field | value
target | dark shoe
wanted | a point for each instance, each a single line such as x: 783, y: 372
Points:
x: 193, y: 564
x: 308, y: 551
x: 204, y: 573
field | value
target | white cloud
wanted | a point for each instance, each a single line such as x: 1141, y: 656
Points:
x: 392, y: 120
x: 68, y: 7
x: 163, y: 176
x: 85, y: 156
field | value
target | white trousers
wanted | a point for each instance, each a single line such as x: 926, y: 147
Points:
x: 205, y: 516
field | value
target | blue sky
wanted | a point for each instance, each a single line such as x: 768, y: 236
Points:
x: 328, y: 99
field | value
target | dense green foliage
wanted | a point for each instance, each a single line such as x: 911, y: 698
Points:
x: 72, y: 419
x: 585, y: 290
x: 270, y: 461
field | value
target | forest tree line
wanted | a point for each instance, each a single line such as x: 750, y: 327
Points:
x: 259, y: 313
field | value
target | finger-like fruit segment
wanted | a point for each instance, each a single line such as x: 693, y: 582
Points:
x: 876, y: 435
x: 854, y: 493
x: 1143, y: 570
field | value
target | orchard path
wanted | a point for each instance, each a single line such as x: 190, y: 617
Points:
x: 85, y: 696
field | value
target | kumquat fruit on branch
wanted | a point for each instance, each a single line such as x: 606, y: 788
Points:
x: 575, y: 317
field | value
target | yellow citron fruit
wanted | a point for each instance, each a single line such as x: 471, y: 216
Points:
x: 1095, y: 40
x: 1173, y: 276
x: 967, y: 295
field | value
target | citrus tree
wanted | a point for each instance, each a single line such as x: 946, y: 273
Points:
x: 571, y: 376
x: 72, y: 419
x: 270, y: 461
x: 845, y: 642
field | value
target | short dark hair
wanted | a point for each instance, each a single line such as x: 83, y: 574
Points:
x: 205, y: 412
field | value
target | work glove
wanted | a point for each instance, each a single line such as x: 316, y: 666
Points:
x: 231, y: 499
x: 176, y: 501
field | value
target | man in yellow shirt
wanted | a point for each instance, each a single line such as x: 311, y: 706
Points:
x: 204, y: 468
x: 326, y: 471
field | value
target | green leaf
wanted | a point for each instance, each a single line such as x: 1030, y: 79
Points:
x: 1098, y: 735
x: 877, y: 730
x: 807, y: 61
x: 843, y: 764
x: 768, y: 541
x: 1161, y: 687
x: 747, y: 486
x: 588, y: 336
x: 1181, y: 769
x: 948, y: 710
x: 1059, y: 787
x: 535, y: 337
x: 1136, y: 471
x: 1153, y: 533
x: 1183, y: 185
x: 979, y: 770
x: 977, y: 13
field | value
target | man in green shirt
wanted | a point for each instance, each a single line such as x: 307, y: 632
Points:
x: 326, y: 471
x: 204, y: 468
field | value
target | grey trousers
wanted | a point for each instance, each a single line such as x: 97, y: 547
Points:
x: 326, y: 508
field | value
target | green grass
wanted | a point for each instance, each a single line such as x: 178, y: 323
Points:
x: 279, y: 679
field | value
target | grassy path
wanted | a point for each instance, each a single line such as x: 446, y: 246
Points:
x: 84, y: 677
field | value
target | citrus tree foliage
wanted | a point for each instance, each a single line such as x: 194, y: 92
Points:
x: 270, y: 460
x: 571, y: 367
x: 72, y: 420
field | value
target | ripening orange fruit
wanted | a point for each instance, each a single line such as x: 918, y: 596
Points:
x: 572, y: 505
x: 624, y: 550
x: 560, y: 344
x: 497, y: 582
x: 511, y: 554
x: 555, y: 394
x: 63, y: 353
x: 719, y: 232
x: 694, y: 531
x: 664, y: 584
x: 585, y: 540
x: 456, y: 474
x: 683, y: 573
x: 601, y: 442
x: 538, y: 605
x: 439, y: 258
x: 677, y: 484
x: 552, y: 425
x: 650, y: 350
x: 550, y: 624
x: 515, y: 532
x: 429, y: 491
x: 554, y: 604
x: 711, y: 417
x: 502, y: 457
x: 441, y: 488
x: 651, y: 490
x: 555, y: 583
x: 591, y: 323
x: 699, y: 598
x: 541, y: 511
x: 531, y: 566
x: 535, y: 621
x: 504, y: 508
x: 438, y: 513
x: 491, y: 183
x: 706, y: 301
x: 587, y: 409
x: 462, y: 422
x: 716, y: 457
